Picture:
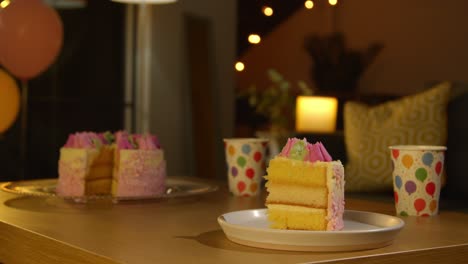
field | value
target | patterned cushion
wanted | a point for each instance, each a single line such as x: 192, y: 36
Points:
x: 419, y: 119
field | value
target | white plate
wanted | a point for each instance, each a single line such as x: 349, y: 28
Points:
x: 363, y: 230
x: 175, y: 187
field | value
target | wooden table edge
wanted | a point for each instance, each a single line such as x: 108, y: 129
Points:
x: 24, y: 246
x: 453, y: 254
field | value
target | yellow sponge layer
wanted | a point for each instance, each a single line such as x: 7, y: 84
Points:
x: 94, y: 167
x: 98, y: 180
x: 98, y: 186
x: 296, y: 217
x: 297, y: 195
x: 284, y: 170
x: 99, y: 171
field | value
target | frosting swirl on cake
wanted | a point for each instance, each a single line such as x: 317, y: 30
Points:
x: 86, y: 140
x: 137, y: 141
x: 123, y: 140
x: 302, y: 150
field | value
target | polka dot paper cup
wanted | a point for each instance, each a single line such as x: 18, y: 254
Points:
x: 417, y: 173
x: 245, y: 159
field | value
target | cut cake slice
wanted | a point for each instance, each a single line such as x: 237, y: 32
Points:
x: 138, y: 171
x: 306, y: 188
x: 85, y: 169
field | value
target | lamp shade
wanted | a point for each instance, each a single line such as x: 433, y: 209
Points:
x: 145, y: 1
x: 316, y: 114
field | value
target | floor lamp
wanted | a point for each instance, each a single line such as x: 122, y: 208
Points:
x: 138, y: 63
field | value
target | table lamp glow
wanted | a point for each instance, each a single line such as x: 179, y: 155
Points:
x: 316, y: 114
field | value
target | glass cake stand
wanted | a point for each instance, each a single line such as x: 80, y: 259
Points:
x: 175, y: 187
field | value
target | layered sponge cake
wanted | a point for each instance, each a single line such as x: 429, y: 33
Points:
x: 306, y: 188
x: 119, y: 164
x: 139, y: 166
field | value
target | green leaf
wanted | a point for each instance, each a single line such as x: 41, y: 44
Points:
x: 284, y: 86
x: 305, y: 89
x: 274, y: 76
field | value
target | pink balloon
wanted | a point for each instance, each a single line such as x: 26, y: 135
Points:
x: 31, y: 36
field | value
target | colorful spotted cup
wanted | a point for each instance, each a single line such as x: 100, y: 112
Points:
x: 417, y: 173
x: 245, y: 159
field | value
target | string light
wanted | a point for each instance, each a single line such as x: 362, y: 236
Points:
x: 4, y: 3
x: 254, y: 38
x: 267, y: 11
x: 309, y: 4
x: 333, y: 2
x: 239, y: 66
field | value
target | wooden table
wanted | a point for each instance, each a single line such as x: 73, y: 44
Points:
x: 50, y: 230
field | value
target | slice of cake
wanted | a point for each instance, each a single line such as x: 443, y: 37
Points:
x: 93, y: 164
x: 140, y: 168
x: 85, y: 165
x: 306, y: 188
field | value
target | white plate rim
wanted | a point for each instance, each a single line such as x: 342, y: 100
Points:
x: 379, y: 237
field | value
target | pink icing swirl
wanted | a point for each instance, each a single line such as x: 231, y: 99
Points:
x: 84, y: 140
x: 123, y: 140
x: 147, y: 142
x: 137, y: 141
x: 316, y: 152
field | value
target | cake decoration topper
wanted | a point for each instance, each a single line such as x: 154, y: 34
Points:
x: 302, y: 150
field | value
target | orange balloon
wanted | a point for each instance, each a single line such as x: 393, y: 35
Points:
x: 31, y: 36
x: 9, y: 101
x: 407, y: 161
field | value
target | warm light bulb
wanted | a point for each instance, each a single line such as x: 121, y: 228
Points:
x: 267, y: 11
x: 332, y: 2
x: 254, y: 38
x: 316, y: 114
x: 4, y: 3
x: 309, y: 4
x: 239, y: 66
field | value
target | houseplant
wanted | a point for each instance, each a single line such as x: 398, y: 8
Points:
x: 277, y: 103
x: 335, y: 66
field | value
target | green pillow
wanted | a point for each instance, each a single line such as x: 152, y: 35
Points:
x: 419, y: 119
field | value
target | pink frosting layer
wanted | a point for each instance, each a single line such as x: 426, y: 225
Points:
x: 315, y: 152
x: 85, y: 140
x: 336, y: 202
x: 71, y: 182
x: 139, y: 173
x: 142, y: 142
x: 122, y: 140
x: 147, y: 142
x: 89, y: 140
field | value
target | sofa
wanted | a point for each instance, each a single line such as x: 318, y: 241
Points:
x: 456, y: 187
